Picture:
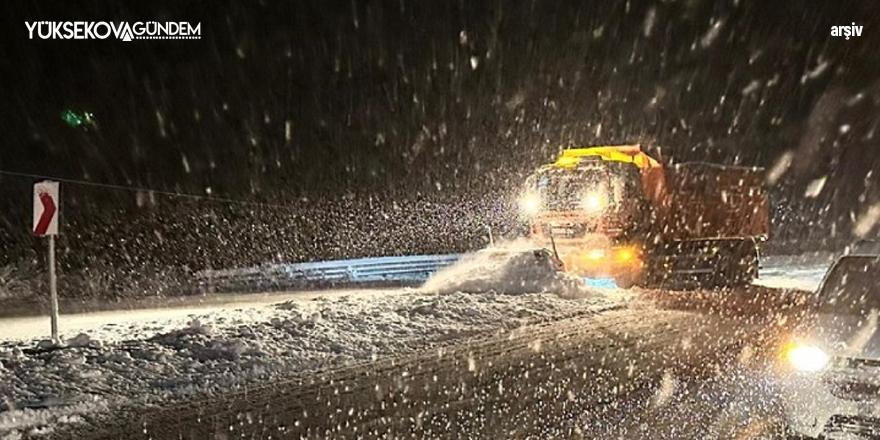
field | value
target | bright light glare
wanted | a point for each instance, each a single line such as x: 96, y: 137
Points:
x: 625, y: 255
x: 807, y: 358
x: 596, y: 254
x: 594, y: 202
x: 530, y: 204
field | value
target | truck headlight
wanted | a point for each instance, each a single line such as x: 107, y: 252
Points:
x: 807, y: 358
x: 530, y: 204
x: 626, y: 255
x: 595, y: 202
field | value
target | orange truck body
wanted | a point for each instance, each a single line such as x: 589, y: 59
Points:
x: 716, y: 201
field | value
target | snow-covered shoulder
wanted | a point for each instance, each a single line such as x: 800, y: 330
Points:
x: 146, y: 362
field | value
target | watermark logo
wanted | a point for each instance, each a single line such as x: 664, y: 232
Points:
x: 846, y: 31
x: 102, y: 30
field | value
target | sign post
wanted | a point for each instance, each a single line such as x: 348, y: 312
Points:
x: 46, y: 225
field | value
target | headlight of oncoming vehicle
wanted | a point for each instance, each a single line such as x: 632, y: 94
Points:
x: 530, y: 204
x: 805, y: 357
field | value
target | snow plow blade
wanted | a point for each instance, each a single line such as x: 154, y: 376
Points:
x: 507, y: 271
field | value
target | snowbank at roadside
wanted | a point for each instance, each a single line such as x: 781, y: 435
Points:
x: 219, y: 351
x: 798, y: 272
x: 512, y: 268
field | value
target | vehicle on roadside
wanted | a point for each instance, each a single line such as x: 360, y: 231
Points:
x: 616, y: 212
x: 828, y: 370
x: 864, y: 247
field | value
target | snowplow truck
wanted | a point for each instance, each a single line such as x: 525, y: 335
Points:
x: 616, y: 212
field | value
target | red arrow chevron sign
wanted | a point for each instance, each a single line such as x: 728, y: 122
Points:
x: 45, y: 208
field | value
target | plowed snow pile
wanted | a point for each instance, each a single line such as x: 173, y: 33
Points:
x: 191, y: 357
x: 514, y: 268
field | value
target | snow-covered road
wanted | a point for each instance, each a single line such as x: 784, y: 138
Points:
x: 535, y: 381
x: 161, y: 356
x: 114, y: 360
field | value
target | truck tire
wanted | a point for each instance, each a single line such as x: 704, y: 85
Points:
x: 738, y: 265
x: 724, y: 263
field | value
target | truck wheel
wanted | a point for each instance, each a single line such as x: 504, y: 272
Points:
x: 739, y: 267
x: 748, y: 268
x: 656, y: 275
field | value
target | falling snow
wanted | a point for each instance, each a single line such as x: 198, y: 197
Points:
x: 196, y: 174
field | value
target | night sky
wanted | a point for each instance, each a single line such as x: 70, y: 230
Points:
x: 281, y: 99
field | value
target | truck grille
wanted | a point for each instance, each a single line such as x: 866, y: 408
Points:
x: 566, y: 229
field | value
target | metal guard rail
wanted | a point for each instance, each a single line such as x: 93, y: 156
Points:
x: 403, y: 270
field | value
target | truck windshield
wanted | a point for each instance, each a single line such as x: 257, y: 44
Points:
x: 851, y: 287
x: 567, y: 189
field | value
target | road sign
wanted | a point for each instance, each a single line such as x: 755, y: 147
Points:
x: 45, y: 208
x: 46, y: 225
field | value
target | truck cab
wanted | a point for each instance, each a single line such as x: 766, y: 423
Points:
x: 592, y: 206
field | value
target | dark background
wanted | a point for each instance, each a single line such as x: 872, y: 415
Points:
x: 333, y: 112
